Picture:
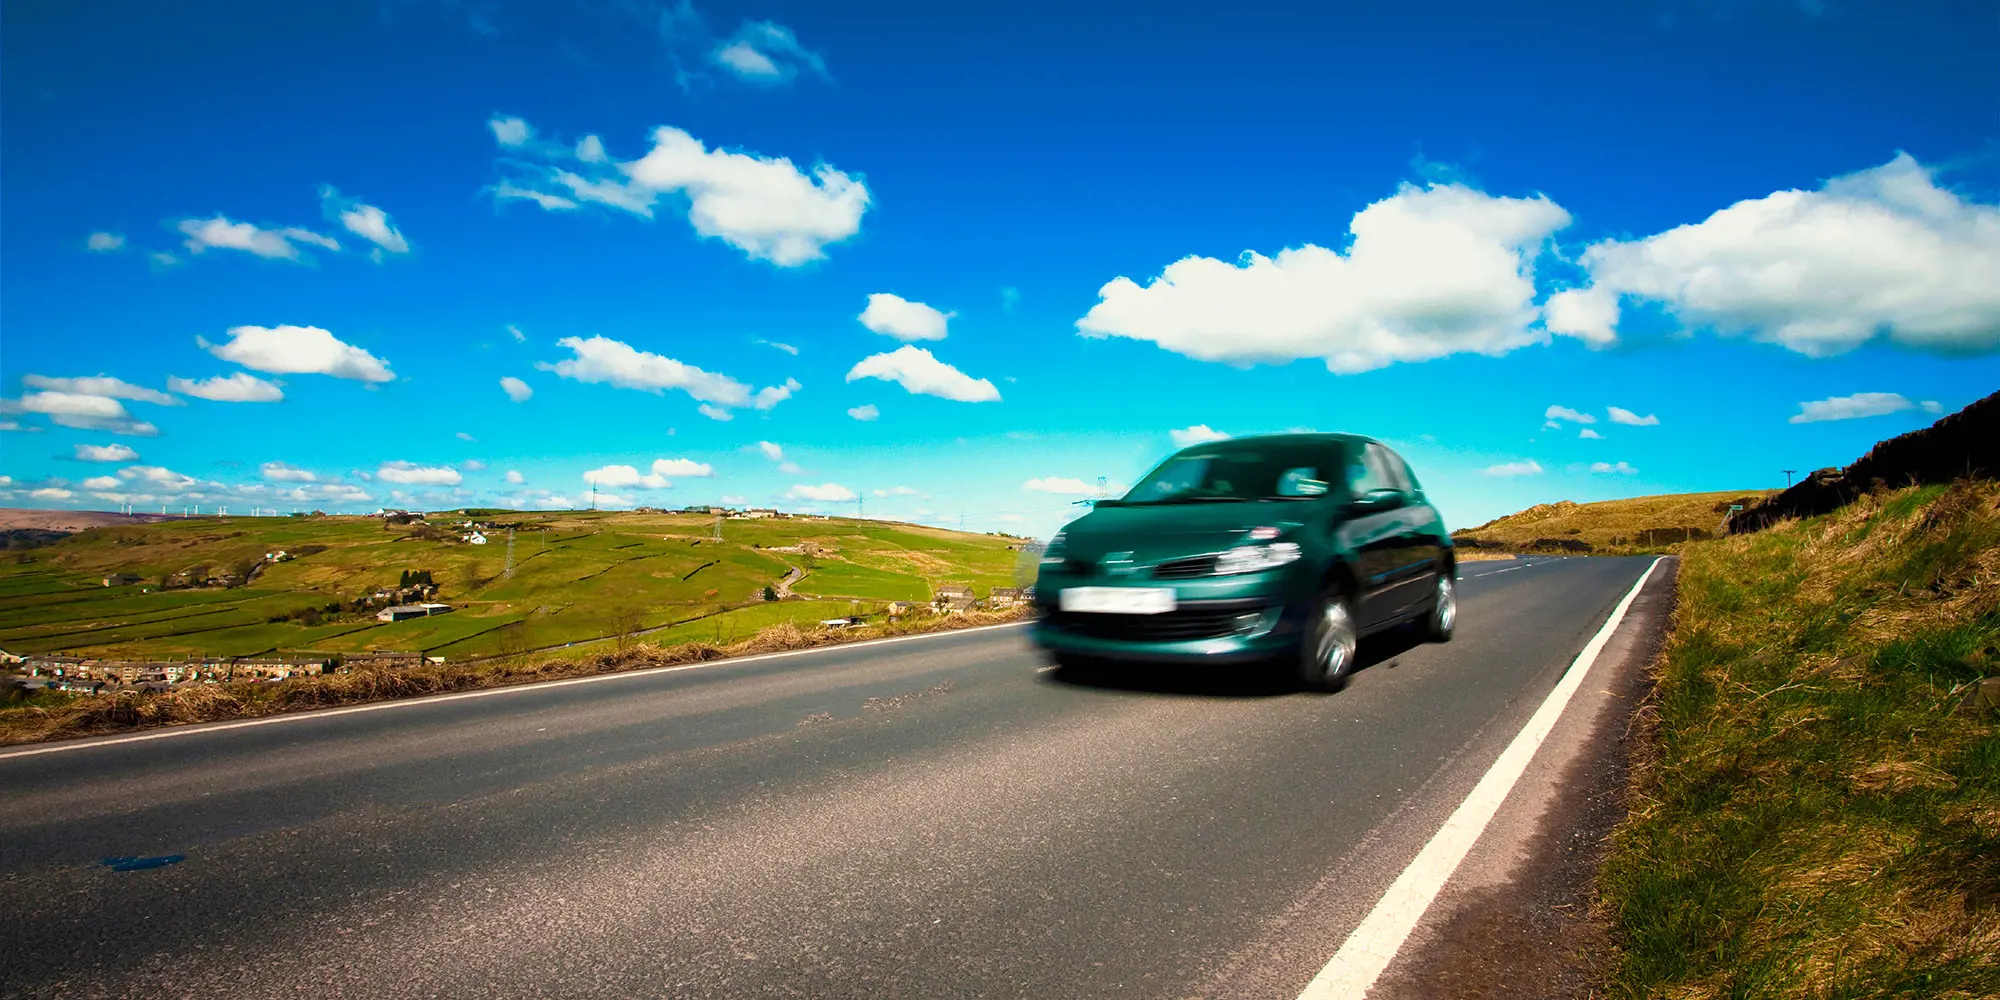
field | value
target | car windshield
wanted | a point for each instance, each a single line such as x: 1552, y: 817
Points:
x: 1277, y: 471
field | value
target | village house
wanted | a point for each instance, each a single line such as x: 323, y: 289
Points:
x: 121, y: 579
x: 955, y: 598
x: 1004, y: 597
x: 403, y: 612
x: 475, y: 538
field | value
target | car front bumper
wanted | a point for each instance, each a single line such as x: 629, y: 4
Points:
x: 1218, y: 631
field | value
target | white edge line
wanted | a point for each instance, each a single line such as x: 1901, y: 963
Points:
x: 1374, y: 942
x: 379, y: 706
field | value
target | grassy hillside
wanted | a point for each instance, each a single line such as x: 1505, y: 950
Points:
x: 1617, y: 527
x: 577, y: 576
x: 1820, y: 815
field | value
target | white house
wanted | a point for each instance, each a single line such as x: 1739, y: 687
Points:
x: 475, y: 538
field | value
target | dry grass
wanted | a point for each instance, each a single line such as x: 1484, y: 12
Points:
x: 1816, y: 817
x: 101, y: 714
x: 1613, y: 526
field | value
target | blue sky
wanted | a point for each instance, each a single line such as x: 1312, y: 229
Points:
x: 284, y: 256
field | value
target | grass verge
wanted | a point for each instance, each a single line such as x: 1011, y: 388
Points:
x: 105, y: 714
x: 1817, y: 813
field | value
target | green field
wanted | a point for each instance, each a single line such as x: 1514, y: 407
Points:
x: 578, y: 577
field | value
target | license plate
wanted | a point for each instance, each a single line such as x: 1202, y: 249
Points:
x: 1119, y: 600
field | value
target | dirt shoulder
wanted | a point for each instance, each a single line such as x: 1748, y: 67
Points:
x: 1515, y: 919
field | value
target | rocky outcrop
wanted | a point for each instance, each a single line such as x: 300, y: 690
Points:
x: 1964, y: 444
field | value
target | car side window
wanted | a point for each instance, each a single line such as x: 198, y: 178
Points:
x: 1397, y: 469
x: 1366, y: 472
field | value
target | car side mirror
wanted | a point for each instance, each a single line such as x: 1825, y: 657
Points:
x: 1376, y: 500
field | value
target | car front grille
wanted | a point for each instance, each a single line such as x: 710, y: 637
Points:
x: 1185, y: 569
x: 1188, y: 622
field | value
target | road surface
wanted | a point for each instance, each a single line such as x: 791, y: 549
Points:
x: 928, y: 817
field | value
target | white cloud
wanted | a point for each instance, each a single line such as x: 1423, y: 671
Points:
x: 1620, y: 415
x: 714, y: 412
x: 1883, y: 252
x: 1588, y: 314
x: 105, y: 453
x: 238, y: 387
x: 787, y: 348
x: 51, y: 493
x: 281, y: 472
x: 682, y: 467
x: 602, y: 360
x: 463, y: 436
x: 763, y: 52
x: 764, y: 206
x: 1062, y: 485
x: 1196, y: 434
x: 100, y: 385
x: 519, y: 337
x: 298, y: 350
x: 412, y: 474
x: 1931, y: 406
x: 900, y: 491
x: 1555, y: 413
x: 515, y: 478
x: 510, y: 131
x: 918, y: 371
x: 1619, y: 468
x: 590, y: 149
x: 902, y: 319
x: 624, y: 476
x: 516, y: 390
x: 1431, y: 272
x: 1527, y: 468
x: 772, y: 395
x: 774, y: 452
x: 1861, y: 404
x: 828, y: 493
x: 165, y: 259
x: 222, y: 233
x: 366, y: 221
x: 864, y: 412
x: 159, y: 476
x: 105, y: 242
x: 80, y: 410
x: 1589, y: 435
x: 472, y: 465
x: 103, y: 483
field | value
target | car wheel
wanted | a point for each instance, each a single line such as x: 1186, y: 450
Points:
x: 1326, y: 657
x: 1437, y: 623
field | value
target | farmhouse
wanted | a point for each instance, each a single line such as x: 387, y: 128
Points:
x: 475, y: 538
x: 402, y: 612
x: 1005, y: 597
x: 121, y: 579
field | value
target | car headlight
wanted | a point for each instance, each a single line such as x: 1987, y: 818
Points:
x: 1052, y: 554
x: 1252, y: 558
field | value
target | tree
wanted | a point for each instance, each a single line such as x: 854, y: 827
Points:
x: 626, y: 622
x: 770, y: 594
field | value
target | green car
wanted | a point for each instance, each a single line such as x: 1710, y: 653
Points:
x: 1288, y: 548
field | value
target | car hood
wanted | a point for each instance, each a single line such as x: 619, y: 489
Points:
x: 1167, y: 531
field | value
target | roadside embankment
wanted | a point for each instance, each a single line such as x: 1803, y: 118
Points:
x: 1816, y: 808
x: 97, y: 715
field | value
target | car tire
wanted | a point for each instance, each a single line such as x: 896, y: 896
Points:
x: 1441, y: 616
x: 1331, y: 645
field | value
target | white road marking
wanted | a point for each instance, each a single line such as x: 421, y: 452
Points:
x: 1380, y: 935
x: 1497, y: 572
x: 381, y: 706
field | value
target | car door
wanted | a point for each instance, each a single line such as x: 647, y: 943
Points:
x: 1418, y: 553
x: 1373, y: 534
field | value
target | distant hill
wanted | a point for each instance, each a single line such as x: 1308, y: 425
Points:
x: 1637, y: 524
x: 71, y: 520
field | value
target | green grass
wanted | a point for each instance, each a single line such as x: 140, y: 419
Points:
x: 1816, y: 819
x: 589, y: 575
x: 1614, y: 526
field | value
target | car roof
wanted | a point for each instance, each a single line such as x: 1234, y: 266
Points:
x: 1315, y: 436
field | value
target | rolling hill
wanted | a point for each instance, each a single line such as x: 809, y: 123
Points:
x: 1637, y: 524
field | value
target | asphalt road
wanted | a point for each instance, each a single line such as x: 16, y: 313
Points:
x: 932, y: 817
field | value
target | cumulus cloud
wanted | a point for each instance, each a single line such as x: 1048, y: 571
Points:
x: 626, y: 476
x: 1861, y: 404
x: 222, y: 233
x: 767, y: 53
x: 510, y: 131
x: 864, y: 412
x: 1612, y: 468
x: 239, y: 387
x: 51, y: 493
x: 104, y: 242
x: 1061, y: 485
x: 1527, y: 468
x: 1589, y: 435
x: 1555, y: 413
x: 281, y: 472
x: 103, y: 483
x: 714, y: 412
x: 682, y: 467
x: 764, y: 206
x: 516, y: 390
x: 1431, y: 272
x: 514, y: 477
x: 1196, y: 434
x: 298, y: 350
x: 100, y: 385
x: 157, y: 476
x: 1621, y: 415
x: 412, y: 474
x: 366, y: 221
x: 105, y: 453
x: 895, y: 316
x: 776, y: 453
x: 603, y: 360
x: 472, y: 465
x: 1883, y: 252
x: 826, y: 493
x: 918, y: 371
x: 80, y: 410
x: 515, y: 332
